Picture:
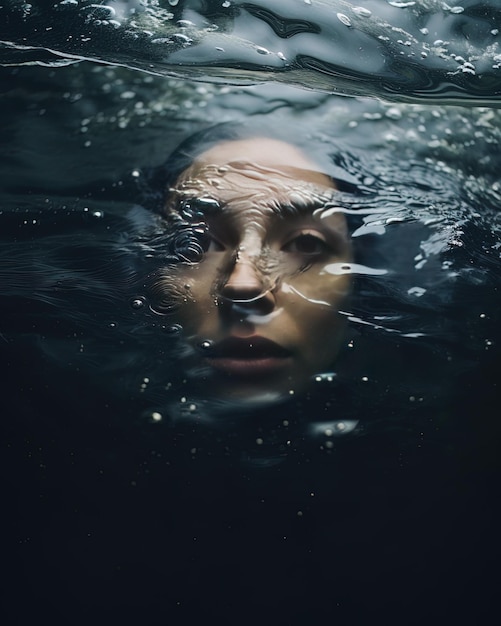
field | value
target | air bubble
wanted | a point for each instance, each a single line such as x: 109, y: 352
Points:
x: 259, y: 441
x: 205, y: 345
x: 156, y: 416
x: 175, y: 329
x: 137, y: 303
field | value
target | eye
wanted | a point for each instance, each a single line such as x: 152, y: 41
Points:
x: 307, y: 244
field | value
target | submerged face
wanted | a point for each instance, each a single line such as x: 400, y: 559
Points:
x: 260, y: 310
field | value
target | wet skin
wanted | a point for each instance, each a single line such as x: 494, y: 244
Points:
x: 260, y: 311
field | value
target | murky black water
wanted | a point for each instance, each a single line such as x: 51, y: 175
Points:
x: 371, y: 494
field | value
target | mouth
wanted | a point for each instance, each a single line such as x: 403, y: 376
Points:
x: 248, y: 357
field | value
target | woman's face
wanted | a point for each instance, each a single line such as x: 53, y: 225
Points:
x: 260, y: 311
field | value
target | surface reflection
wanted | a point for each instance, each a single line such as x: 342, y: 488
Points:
x: 253, y: 287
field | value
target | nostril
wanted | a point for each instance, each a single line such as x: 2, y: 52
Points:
x: 246, y: 289
x: 244, y: 283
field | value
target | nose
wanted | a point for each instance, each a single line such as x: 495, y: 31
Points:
x: 246, y: 289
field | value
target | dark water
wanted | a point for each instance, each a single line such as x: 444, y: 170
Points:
x: 279, y: 515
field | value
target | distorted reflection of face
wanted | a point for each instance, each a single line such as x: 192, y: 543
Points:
x: 260, y: 310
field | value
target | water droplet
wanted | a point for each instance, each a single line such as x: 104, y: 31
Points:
x: 259, y: 441
x: 394, y: 113
x: 362, y: 11
x: 365, y: 379
x: 136, y: 173
x: 156, y: 417
x: 97, y: 214
x: 173, y: 3
x: 262, y: 50
x: 205, y: 345
x: 344, y: 19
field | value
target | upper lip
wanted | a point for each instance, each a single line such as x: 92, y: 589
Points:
x: 248, y: 348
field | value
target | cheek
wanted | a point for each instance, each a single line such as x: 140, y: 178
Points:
x: 315, y: 287
x: 198, y: 304
x: 313, y: 308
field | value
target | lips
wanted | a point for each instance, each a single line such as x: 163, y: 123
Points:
x: 248, y: 357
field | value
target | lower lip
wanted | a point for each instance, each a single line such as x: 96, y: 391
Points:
x: 249, y: 367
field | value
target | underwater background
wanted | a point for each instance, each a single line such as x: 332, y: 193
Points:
x: 372, y: 496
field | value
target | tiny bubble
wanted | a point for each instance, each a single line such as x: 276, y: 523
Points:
x: 365, y: 379
x: 156, y: 417
x: 137, y: 303
x: 174, y: 329
x: 259, y: 441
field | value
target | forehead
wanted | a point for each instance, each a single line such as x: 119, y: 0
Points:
x: 260, y: 173
x: 271, y: 153
x: 278, y: 158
